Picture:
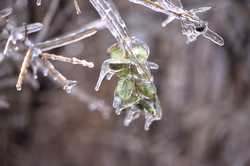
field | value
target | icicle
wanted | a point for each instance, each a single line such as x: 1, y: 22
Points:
x: 35, y: 71
x: 132, y: 114
x: 149, y: 119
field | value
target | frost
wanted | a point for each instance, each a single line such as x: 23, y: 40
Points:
x: 192, y: 25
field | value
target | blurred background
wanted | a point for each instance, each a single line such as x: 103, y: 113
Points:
x: 204, y: 91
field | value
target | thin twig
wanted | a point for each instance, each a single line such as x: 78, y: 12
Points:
x: 24, y: 69
x: 78, y: 10
x: 74, y: 60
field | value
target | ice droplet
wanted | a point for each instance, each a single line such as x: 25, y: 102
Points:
x: 132, y: 114
x: 45, y: 72
x: 69, y: 86
x: 35, y: 71
x: 38, y: 2
x: 149, y: 119
x: 116, y: 104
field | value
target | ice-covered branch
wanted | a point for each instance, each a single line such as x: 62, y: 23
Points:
x: 135, y: 91
x: 192, y: 25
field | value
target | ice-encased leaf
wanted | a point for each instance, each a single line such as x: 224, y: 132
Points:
x: 125, y: 88
x: 106, y: 69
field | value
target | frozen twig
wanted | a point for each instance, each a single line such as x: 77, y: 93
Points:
x: 192, y: 25
x: 78, y: 10
x: 24, y: 69
x: 74, y: 61
x: 72, y: 37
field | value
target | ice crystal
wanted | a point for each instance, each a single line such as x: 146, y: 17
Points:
x: 192, y: 25
x: 135, y: 90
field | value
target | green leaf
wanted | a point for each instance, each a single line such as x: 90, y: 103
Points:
x: 116, y: 52
x: 141, y: 53
x: 147, y: 89
x: 125, y: 89
x: 148, y: 106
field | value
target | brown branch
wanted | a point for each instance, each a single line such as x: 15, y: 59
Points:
x: 75, y: 61
x: 78, y: 10
x: 24, y: 69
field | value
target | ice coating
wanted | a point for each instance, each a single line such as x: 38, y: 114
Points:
x: 192, y: 25
x: 106, y: 71
x: 19, y: 33
x: 118, y: 29
x: 134, y: 93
